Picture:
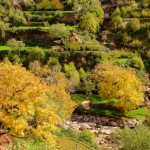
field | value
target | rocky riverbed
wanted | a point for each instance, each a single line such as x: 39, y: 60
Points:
x: 102, y: 126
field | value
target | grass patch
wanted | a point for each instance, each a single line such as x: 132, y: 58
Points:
x: 68, y: 144
x: 45, y: 29
x: 95, y: 99
x: 26, y: 48
x: 63, y: 143
x: 140, y: 113
x: 3, y: 48
x: 50, y: 12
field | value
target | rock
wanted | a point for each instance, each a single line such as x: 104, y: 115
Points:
x: 92, y: 124
x: 57, y: 48
x: 3, y: 148
x: 112, y: 44
x: 86, y: 105
x: 94, y: 131
x: 106, y: 16
x: 82, y: 127
x: 4, y: 138
x: 57, y: 41
x: 112, y: 123
x: 107, y: 32
x: 77, y: 37
x: 75, y: 126
x: 131, y: 122
x: 107, y: 130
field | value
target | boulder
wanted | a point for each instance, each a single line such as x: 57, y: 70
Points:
x: 86, y: 105
x: 3, y: 148
x: 82, y: 127
x: 5, y: 139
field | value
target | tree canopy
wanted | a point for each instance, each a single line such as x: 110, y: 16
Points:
x: 28, y: 107
x: 117, y: 83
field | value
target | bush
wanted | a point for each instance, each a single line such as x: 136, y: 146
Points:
x: 87, y: 136
x: 2, y: 29
x: 72, y: 44
x: 28, y: 144
x: 48, y: 5
x: 133, y: 139
x: 115, y: 82
x: 136, y: 62
x: 126, y: 38
x: 53, y: 61
x: 116, y: 21
x: 134, y: 25
x: 18, y: 18
x: 36, y: 54
x: 89, y: 22
x: 116, y: 12
x: 136, y: 43
x: 15, y: 44
x: 58, y: 31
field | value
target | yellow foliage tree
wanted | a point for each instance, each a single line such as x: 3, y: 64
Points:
x: 28, y: 105
x: 59, y: 88
x: 123, y: 85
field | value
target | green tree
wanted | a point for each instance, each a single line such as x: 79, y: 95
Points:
x: 116, y: 21
x: 2, y: 29
x: 89, y: 22
x: 36, y: 53
x: 134, y: 24
x: 73, y: 75
x: 58, y: 31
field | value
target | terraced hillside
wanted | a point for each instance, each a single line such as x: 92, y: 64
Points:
x: 94, y: 52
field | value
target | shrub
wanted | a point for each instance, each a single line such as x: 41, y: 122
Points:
x: 116, y: 20
x: 136, y: 43
x: 58, y: 31
x: 47, y: 5
x: 116, y: 12
x: 86, y: 83
x: 126, y: 38
x: 73, y: 75
x: 18, y: 18
x: 133, y: 139
x: 15, y: 44
x: 124, y: 12
x: 136, y: 14
x: 136, y: 62
x: 36, y: 54
x: 53, y: 61
x: 89, y: 22
x: 86, y: 136
x: 148, y: 119
x: 98, y: 11
x: 145, y: 3
x: 134, y: 25
x: 145, y: 13
x: 34, y: 144
x: 72, y: 44
x: 115, y: 82
x: 2, y: 29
